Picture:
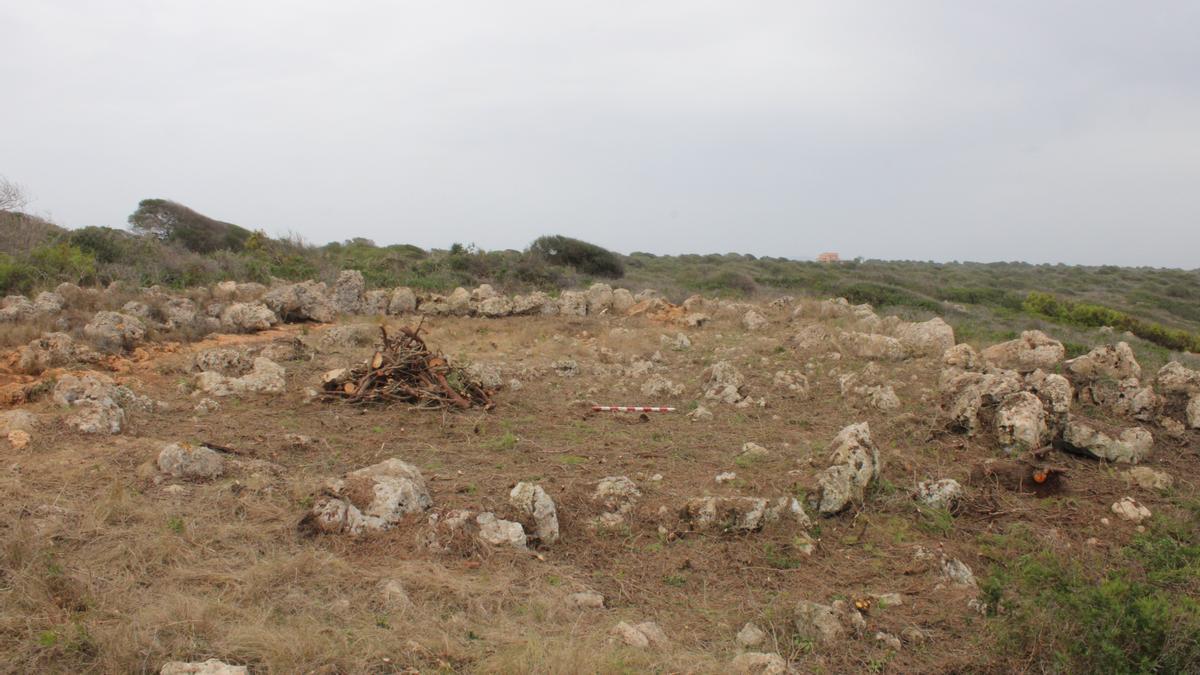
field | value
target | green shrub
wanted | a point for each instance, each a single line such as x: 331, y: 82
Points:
x: 1093, y: 316
x: 170, y: 221
x: 1142, y: 615
x: 585, y: 257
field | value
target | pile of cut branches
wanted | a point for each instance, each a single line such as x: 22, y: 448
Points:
x: 404, y: 370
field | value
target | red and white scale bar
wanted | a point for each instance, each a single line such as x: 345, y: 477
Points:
x: 631, y: 408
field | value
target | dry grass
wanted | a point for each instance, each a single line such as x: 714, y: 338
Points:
x: 101, y: 570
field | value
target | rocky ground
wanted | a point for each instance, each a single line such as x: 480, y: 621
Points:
x: 828, y: 495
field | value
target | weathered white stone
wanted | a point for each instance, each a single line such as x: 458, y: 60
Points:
x: 183, y: 460
x: 209, y: 667
x: 533, y: 502
x: 1021, y: 421
x: 497, y: 532
x: 1033, y: 350
x: 1149, y: 479
x: 854, y: 465
x: 243, y: 317
x: 752, y: 320
x: 266, y: 377
x: 872, y: 346
x: 114, y: 331
x: 1116, y: 362
x: 348, y: 292
x: 758, y: 663
x: 403, y: 301
x: 939, y: 494
x: 927, y: 338
x: 818, y: 622
x: 372, y: 498
x: 1131, y: 446
x: 1130, y: 509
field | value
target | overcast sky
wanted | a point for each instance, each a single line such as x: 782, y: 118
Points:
x: 1014, y: 130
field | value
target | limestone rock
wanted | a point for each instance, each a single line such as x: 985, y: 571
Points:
x: 223, y: 360
x: 818, y: 622
x: 1149, y: 479
x: 305, y: 301
x: 573, y: 303
x: 403, y: 301
x: 621, y: 302
x: 1116, y: 362
x: 750, y: 636
x: 586, y: 600
x: 113, y: 331
x: 1130, y: 509
x: 658, y: 386
x: 372, y: 498
x: 854, y: 465
x: 266, y: 377
x: 940, y: 494
x: 1021, y: 421
x: 962, y: 356
x: 243, y: 317
x: 599, y: 298
x: 52, y: 350
x: 965, y: 394
x: 725, y: 383
x: 1131, y: 446
x: 183, y: 460
x: 209, y: 667
x: 1174, y: 378
x: 348, y: 292
x: 741, y: 514
x: 533, y: 502
x: 495, y: 307
x: 758, y: 663
x: 752, y: 320
x: 642, y: 635
x: 928, y: 338
x: 1033, y: 350
x: 497, y: 532
x: 872, y: 346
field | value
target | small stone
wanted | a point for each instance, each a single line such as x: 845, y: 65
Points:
x: 19, y: 439
x: 1149, y: 479
x: 586, y: 600
x: 889, y: 640
x: 726, y: 477
x: 758, y: 663
x: 751, y: 636
x: 393, y: 596
x: 209, y: 667
x: 1129, y: 509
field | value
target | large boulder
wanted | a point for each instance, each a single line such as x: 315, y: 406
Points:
x: 458, y: 303
x: 48, y: 302
x: 962, y: 356
x: 599, y: 298
x: 494, y: 307
x: 965, y: 394
x: 244, y: 317
x: 52, y: 350
x: 534, y: 303
x: 15, y: 308
x: 927, y: 338
x: 1033, y: 350
x: 95, y: 403
x: 872, y: 346
x: 1021, y: 421
x: 348, y: 292
x: 370, y: 499
x: 1193, y: 411
x: 180, y: 312
x: 305, y: 301
x: 375, y: 303
x: 1174, y: 378
x: 573, y: 303
x: 854, y: 465
x: 1115, y: 362
x: 622, y: 301
x: 403, y: 301
x: 113, y: 331
x: 1130, y: 446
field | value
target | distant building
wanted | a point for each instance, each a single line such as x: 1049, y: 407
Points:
x: 829, y: 257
